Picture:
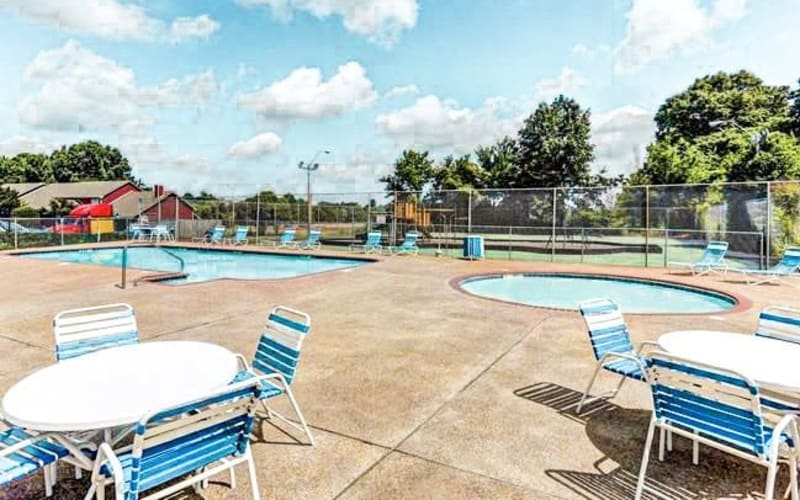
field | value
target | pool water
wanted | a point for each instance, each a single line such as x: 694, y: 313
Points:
x: 566, y: 291
x: 202, y: 264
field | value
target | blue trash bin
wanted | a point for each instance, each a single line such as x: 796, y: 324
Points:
x: 473, y: 247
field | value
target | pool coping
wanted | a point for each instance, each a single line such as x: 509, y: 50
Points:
x: 742, y: 303
x: 165, y: 282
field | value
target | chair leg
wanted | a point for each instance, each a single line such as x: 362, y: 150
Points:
x: 662, y: 442
x: 78, y: 472
x: 300, y: 416
x: 266, y: 409
x: 793, y: 476
x: 695, y: 451
x: 48, y: 485
x: 54, y: 473
x: 669, y: 441
x: 90, y: 493
x: 772, y: 471
x: 251, y: 469
x: 588, y: 388
x: 101, y: 492
x: 233, y: 478
x: 645, y: 459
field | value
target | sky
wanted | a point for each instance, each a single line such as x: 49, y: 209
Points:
x: 229, y: 96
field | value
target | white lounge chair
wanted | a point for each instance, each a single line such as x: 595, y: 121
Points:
x: 312, y: 242
x: 286, y: 239
x: 408, y: 246
x: 371, y: 245
x: 780, y: 272
x: 712, y: 260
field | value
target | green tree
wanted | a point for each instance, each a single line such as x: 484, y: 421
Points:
x: 459, y: 173
x: 554, y: 146
x: 8, y: 202
x: 741, y: 97
x: 87, y: 161
x: 498, y: 162
x: 413, y: 171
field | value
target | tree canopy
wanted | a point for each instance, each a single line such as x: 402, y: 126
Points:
x: 85, y: 161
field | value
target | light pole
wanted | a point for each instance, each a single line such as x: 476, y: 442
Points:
x: 310, y: 167
x: 756, y: 138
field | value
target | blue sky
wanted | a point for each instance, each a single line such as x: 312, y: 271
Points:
x: 228, y: 95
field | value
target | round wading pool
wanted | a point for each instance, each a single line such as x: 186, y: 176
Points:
x: 566, y: 291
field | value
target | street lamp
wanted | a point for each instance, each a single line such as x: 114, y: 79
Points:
x: 310, y: 167
x: 756, y: 138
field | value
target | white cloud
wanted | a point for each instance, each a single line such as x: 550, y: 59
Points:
x: 255, y: 147
x: 21, y: 144
x: 435, y: 123
x: 620, y: 137
x: 590, y: 52
x: 567, y: 82
x: 82, y: 90
x: 303, y: 94
x: 381, y: 21
x: 401, y: 91
x: 107, y: 19
x: 657, y: 29
x: 184, y: 28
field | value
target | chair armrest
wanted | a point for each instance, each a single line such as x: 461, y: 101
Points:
x: 25, y: 442
x: 789, y: 421
x: 645, y: 344
x: 244, y: 365
x: 106, y: 454
x: 624, y: 355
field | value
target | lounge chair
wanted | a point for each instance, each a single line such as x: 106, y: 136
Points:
x: 408, y: 246
x: 612, y: 346
x: 276, y: 360
x: 312, y: 242
x: 89, y: 329
x: 712, y: 260
x: 201, y: 438
x: 784, y: 269
x: 371, y: 245
x: 286, y: 239
x: 140, y: 232
x: 718, y: 408
x: 217, y: 235
x: 240, y: 236
x: 779, y: 323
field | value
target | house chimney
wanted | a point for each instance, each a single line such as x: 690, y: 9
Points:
x: 158, y: 190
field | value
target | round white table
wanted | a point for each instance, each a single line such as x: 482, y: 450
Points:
x: 115, y: 387
x: 770, y: 362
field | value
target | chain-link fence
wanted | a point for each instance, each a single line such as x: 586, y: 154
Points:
x: 630, y: 225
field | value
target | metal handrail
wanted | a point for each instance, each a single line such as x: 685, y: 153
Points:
x: 124, y: 264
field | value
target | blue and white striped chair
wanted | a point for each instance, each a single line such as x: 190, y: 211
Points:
x: 712, y: 260
x: 786, y: 268
x: 312, y: 242
x: 81, y: 331
x: 22, y: 453
x: 371, y: 245
x: 286, y: 239
x: 240, y: 236
x: 718, y: 408
x: 276, y: 360
x: 205, y: 437
x: 779, y: 323
x: 612, y: 346
x: 408, y: 246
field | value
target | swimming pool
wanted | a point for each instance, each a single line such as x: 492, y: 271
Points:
x: 566, y: 291
x: 204, y: 264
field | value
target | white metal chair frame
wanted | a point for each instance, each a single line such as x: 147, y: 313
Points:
x: 270, y: 379
x: 705, y: 265
x: 769, y: 458
x: 88, y: 329
x: 185, y: 421
x: 770, y: 275
x: 604, y: 360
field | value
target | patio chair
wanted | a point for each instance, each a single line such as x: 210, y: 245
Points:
x: 312, y: 242
x: 612, y: 346
x: 371, y: 245
x: 161, y: 232
x: 276, y: 360
x: 140, y: 232
x: 286, y: 239
x: 202, y: 438
x: 785, y: 268
x: 22, y: 454
x: 712, y: 260
x: 718, y: 408
x: 779, y: 323
x: 240, y: 236
x: 408, y: 246
x: 89, y: 329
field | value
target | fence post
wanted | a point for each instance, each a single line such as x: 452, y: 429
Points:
x: 769, y: 224
x: 16, y: 235
x: 61, y: 230
x: 646, y: 225
x: 275, y: 218
x: 258, y: 212
x: 583, y: 243
x: 394, y: 219
x: 553, y: 230
x: 469, y: 212
x: 177, y: 218
x: 510, y: 239
x: 666, y: 245
x: 369, y: 214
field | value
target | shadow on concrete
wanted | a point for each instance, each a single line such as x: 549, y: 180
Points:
x: 619, y: 433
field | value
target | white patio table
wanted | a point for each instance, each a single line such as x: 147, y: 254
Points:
x: 115, y: 387
x: 773, y: 364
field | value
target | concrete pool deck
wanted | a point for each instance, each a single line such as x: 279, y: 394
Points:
x: 413, y: 389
